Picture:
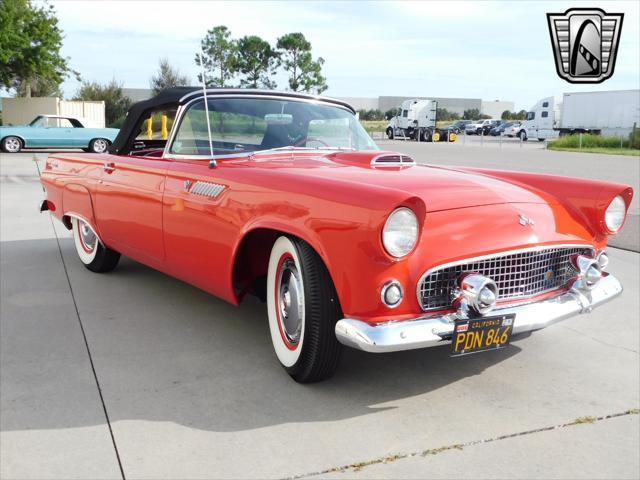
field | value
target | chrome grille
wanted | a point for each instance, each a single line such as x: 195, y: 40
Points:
x: 519, y: 274
x: 392, y: 161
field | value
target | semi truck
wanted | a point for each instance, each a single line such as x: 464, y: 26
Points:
x: 416, y: 119
x: 609, y: 113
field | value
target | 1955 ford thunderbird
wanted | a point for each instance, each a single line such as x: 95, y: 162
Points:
x: 286, y: 196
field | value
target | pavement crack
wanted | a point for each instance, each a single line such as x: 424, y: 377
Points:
x: 600, y: 341
x: 355, y: 467
x: 86, y: 344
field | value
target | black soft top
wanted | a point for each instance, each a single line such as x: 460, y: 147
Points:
x: 172, y: 98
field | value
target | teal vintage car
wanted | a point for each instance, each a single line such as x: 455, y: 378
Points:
x: 56, y: 131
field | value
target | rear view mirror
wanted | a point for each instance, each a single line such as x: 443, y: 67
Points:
x: 278, y: 119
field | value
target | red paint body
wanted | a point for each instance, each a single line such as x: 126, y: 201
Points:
x: 336, y: 202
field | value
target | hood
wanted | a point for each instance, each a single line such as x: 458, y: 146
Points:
x: 440, y: 188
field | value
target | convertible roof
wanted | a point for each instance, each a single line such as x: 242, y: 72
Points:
x: 176, y: 96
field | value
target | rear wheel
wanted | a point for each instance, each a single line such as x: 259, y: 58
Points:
x: 303, y: 309
x: 426, y: 135
x: 92, y: 253
x: 11, y: 144
x: 98, y: 145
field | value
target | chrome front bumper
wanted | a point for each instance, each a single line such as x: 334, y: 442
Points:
x: 431, y: 331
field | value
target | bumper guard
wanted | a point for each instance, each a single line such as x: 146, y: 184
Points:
x: 431, y: 331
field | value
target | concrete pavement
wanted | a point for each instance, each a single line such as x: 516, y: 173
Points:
x: 190, y: 388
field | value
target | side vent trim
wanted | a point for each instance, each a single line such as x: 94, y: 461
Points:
x: 207, y: 189
x: 394, y: 160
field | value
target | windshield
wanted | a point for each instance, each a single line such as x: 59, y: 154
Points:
x: 39, y: 122
x: 253, y: 124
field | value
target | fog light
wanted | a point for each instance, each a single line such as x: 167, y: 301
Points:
x: 392, y: 294
x: 476, y: 293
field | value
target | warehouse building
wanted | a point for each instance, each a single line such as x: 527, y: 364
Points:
x: 457, y: 105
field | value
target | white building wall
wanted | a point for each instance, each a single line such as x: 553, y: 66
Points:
x: 19, y: 111
x: 496, y: 107
x: 91, y: 112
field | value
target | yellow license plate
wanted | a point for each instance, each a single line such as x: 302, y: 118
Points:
x: 481, y: 334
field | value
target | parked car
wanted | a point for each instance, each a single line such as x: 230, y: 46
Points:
x: 287, y: 197
x: 481, y: 127
x: 459, y: 125
x: 499, y: 129
x: 55, y: 131
x: 512, y: 130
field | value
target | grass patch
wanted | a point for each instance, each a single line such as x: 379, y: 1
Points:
x: 374, y: 125
x: 596, y: 144
x: 607, y: 151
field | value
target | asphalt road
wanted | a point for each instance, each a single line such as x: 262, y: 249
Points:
x: 137, y: 372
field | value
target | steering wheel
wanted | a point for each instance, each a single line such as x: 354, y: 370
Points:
x: 310, y: 139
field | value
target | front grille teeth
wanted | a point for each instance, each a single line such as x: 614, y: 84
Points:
x: 518, y: 275
x: 207, y: 189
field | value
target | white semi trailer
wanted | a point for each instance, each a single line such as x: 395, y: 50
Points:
x: 416, y: 119
x: 608, y: 113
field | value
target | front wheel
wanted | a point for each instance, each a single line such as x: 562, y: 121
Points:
x: 303, y: 309
x: 98, y: 145
x: 390, y: 133
x: 426, y: 135
x: 92, y: 253
x: 523, y: 135
x: 11, y: 144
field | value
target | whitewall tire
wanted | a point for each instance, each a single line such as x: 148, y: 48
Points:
x: 303, y: 309
x: 92, y: 253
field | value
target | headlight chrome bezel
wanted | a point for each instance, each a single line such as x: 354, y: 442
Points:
x: 397, y: 250
x: 618, y: 207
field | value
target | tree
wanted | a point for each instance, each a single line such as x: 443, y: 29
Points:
x: 506, y: 115
x: 471, y: 114
x: 446, y: 115
x: 392, y: 112
x: 30, y: 43
x: 257, y: 61
x: 116, y: 104
x: 39, y: 87
x: 219, y: 56
x: 167, y: 77
x: 305, y: 74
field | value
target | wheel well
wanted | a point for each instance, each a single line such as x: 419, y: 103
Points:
x: 251, y: 263
x: 17, y: 136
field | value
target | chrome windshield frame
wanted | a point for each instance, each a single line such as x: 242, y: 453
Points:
x: 198, y: 96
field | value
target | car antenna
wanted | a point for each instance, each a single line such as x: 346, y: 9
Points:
x: 212, y: 161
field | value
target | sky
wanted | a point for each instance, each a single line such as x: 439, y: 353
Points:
x: 480, y: 49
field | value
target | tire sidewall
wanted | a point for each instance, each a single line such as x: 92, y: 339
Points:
x: 85, y: 257
x: 92, y: 145
x: 287, y: 357
x: 4, y: 148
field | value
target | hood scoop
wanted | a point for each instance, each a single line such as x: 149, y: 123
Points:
x: 392, y: 160
x: 374, y: 159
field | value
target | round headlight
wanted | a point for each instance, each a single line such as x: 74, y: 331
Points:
x: 614, y: 216
x: 400, y: 232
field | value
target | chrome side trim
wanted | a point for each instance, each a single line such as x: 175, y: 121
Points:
x: 430, y: 331
x: 207, y: 189
x: 497, y: 255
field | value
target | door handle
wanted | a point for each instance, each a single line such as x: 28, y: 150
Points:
x: 109, y: 167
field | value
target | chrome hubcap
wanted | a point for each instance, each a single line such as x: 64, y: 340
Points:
x: 99, y: 146
x: 87, y: 236
x: 12, y: 144
x: 290, y: 301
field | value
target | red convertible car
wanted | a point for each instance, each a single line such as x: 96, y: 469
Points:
x: 286, y: 196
